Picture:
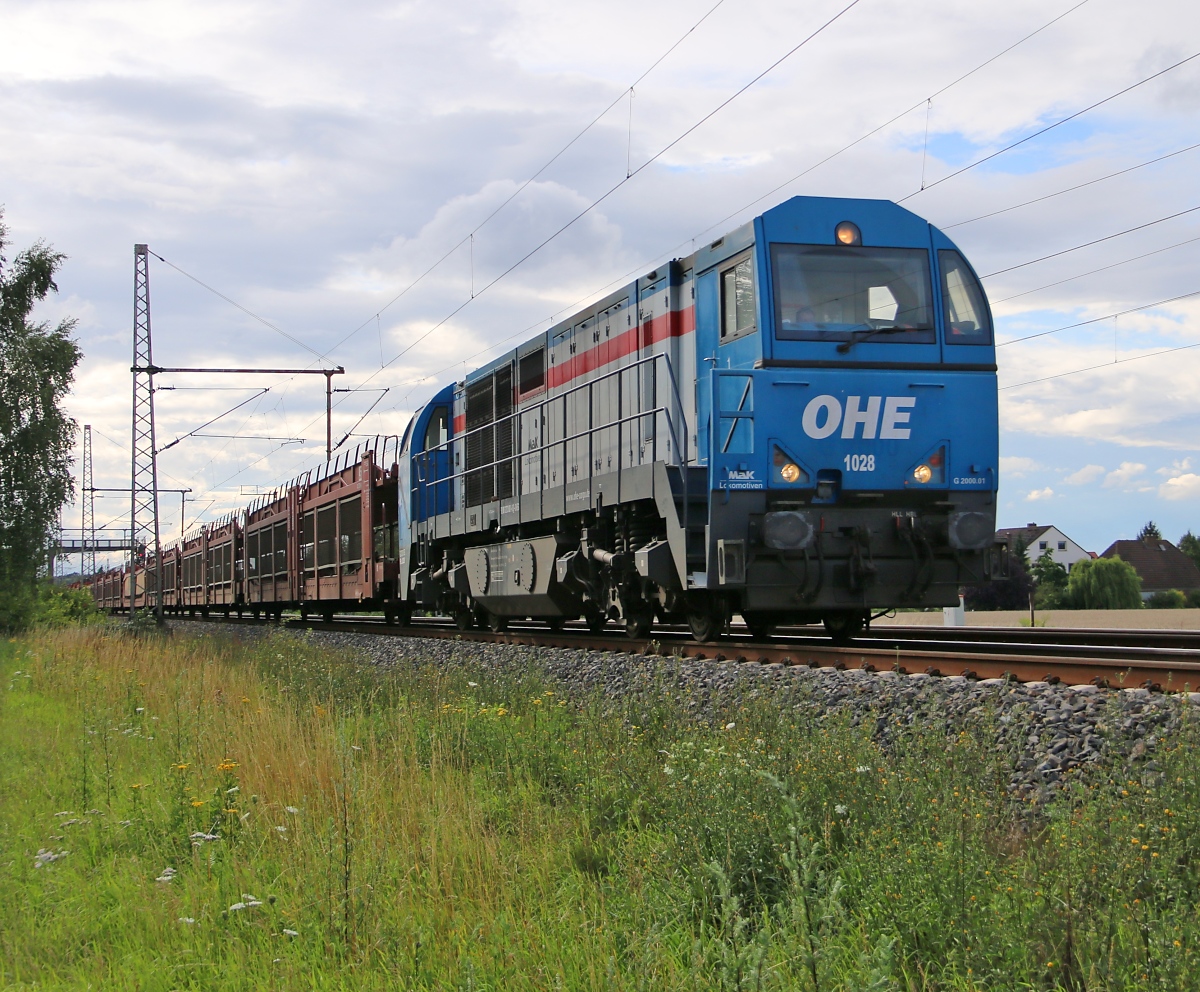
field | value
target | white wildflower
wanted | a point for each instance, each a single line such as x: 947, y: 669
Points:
x: 291, y: 933
x: 282, y: 830
x: 237, y: 907
x: 355, y: 747
x: 140, y: 709
x: 841, y: 810
x: 668, y: 770
x: 168, y: 874
x: 66, y: 812
x: 230, y: 792
x: 292, y: 809
x: 473, y: 685
x: 863, y: 769
x: 187, y: 919
x: 45, y: 857
x: 730, y: 726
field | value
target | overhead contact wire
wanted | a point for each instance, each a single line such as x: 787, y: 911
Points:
x: 1049, y: 127
x: 520, y: 189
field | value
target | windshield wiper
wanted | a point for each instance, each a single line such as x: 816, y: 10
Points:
x: 866, y: 333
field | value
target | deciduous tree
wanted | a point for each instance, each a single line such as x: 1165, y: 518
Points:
x: 1189, y: 544
x: 37, y: 368
x: 1104, y: 584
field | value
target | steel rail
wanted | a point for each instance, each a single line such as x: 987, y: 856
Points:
x: 1166, y: 669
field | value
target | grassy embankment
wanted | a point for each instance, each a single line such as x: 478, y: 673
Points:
x: 269, y: 816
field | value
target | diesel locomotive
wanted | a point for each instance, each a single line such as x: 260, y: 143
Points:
x: 796, y: 423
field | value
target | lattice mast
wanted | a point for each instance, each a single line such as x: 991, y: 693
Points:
x: 143, y: 511
x: 87, y: 558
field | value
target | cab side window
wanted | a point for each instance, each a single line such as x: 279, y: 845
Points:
x: 964, y: 307
x: 438, y: 431
x: 737, y: 299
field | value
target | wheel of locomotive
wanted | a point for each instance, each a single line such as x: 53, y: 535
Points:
x: 402, y: 615
x: 496, y: 623
x: 637, y: 625
x: 845, y: 625
x: 595, y: 620
x: 327, y: 616
x: 760, y: 625
x: 706, y: 619
x: 304, y: 614
x: 556, y: 624
x: 464, y: 619
x: 257, y: 612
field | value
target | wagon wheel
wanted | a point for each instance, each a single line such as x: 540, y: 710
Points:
x: 843, y: 627
x: 637, y: 625
x: 496, y: 623
x: 595, y: 620
x: 760, y: 626
x: 706, y: 617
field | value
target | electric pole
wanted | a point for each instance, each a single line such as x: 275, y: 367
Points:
x: 143, y: 508
x: 87, y: 559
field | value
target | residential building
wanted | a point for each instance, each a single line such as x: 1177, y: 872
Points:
x: 1040, y: 538
x: 1160, y: 564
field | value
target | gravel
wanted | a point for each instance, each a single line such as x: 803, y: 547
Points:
x: 1047, y: 729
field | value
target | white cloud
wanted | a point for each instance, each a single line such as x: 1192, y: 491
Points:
x: 1177, y: 467
x: 1122, y: 477
x: 1040, y: 494
x: 1017, y: 466
x: 1185, y: 486
x: 1089, y: 473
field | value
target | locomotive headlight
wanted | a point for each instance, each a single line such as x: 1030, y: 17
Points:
x: 790, y: 472
x: 922, y: 473
x: 847, y: 233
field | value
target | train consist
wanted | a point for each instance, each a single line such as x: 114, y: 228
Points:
x: 797, y: 423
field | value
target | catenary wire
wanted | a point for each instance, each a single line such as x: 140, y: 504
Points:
x: 890, y: 121
x: 1088, y: 244
x: 1096, y: 320
x: 245, y: 310
x: 1105, y: 365
x: 1071, y: 189
x: 1092, y: 272
x: 1048, y: 127
x: 845, y: 148
x: 604, y: 196
x: 682, y: 244
x: 522, y: 187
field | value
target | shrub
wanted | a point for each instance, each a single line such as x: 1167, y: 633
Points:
x: 1167, y: 599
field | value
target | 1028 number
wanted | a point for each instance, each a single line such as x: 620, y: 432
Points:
x: 860, y: 463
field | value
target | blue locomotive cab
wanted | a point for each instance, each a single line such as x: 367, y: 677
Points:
x: 849, y: 417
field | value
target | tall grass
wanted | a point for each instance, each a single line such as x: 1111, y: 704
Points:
x: 273, y: 816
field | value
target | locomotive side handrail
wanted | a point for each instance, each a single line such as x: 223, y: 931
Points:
x: 423, y: 481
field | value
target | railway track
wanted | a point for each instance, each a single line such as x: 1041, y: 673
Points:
x: 1157, y: 660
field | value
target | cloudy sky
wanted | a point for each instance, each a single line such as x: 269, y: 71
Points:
x: 311, y: 161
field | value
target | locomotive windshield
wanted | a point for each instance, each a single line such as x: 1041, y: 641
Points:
x: 825, y: 293
x: 966, y: 313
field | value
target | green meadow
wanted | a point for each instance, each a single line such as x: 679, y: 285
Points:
x: 195, y: 813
